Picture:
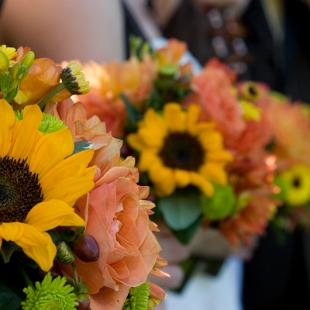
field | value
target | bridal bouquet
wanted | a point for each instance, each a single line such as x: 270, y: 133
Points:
x: 200, y: 139
x: 290, y: 136
x: 75, y: 231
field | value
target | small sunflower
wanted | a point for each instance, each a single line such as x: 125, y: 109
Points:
x: 74, y: 79
x: 177, y: 150
x: 39, y: 182
x: 297, y: 181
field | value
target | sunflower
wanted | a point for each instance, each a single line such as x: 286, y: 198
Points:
x: 177, y: 150
x: 39, y: 182
x: 297, y: 184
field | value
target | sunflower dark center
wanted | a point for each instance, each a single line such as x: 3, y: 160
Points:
x: 182, y: 151
x: 297, y: 182
x: 252, y: 90
x: 20, y: 190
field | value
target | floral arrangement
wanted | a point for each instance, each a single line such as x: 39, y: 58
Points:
x: 75, y: 231
x: 201, y: 139
x: 290, y: 134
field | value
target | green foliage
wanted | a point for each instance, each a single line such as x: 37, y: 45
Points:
x: 8, y: 299
x: 168, y: 87
x: 50, y: 294
x: 221, y: 204
x: 7, y: 250
x: 138, y: 298
x: 186, y: 235
x: 181, y: 209
x: 50, y: 123
x: 138, y: 48
x: 81, y: 146
x: 283, y: 186
x: 11, y: 78
x: 133, y: 114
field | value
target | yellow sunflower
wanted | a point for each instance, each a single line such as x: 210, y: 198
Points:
x: 177, y: 150
x: 39, y: 182
x: 297, y: 179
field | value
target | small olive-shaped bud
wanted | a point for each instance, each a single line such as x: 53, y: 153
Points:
x: 86, y: 248
x: 84, y: 305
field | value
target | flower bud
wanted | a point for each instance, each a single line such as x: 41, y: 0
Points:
x: 64, y: 253
x: 4, y: 62
x: 28, y: 59
x: 84, y: 305
x: 86, y: 248
x: 74, y: 79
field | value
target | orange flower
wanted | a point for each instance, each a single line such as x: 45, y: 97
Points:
x: 111, y: 111
x: 116, y: 215
x: 131, y: 78
x: 250, y: 221
x: 42, y: 77
x: 171, y: 53
x: 134, y: 78
x: 214, y: 90
x: 291, y: 129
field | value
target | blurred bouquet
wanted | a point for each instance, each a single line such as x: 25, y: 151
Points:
x: 201, y: 140
x: 290, y: 126
x: 75, y: 231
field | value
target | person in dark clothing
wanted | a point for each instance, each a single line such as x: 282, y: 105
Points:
x: 278, y: 48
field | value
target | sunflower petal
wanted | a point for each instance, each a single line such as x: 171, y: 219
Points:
x: 50, y: 214
x: 215, y: 173
x: 7, y: 121
x: 25, y: 133
x: 174, y: 117
x: 36, y: 244
x: 202, y: 183
x: 71, y: 167
x: 192, y: 117
x: 50, y: 150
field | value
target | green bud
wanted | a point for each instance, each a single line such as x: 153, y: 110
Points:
x: 221, y: 204
x: 28, y: 59
x: 50, y: 123
x: 64, y: 253
x: 4, y: 62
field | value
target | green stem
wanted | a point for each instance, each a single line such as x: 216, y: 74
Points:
x: 26, y: 277
x: 51, y: 94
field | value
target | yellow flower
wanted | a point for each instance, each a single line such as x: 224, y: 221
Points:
x: 297, y: 184
x: 250, y: 111
x: 177, y: 150
x: 39, y: 182
x: 74, y: 79
x: 10, y: 52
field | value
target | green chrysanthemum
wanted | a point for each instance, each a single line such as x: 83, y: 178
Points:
x: 138, y: 298
x: 50, y: 123
x: 50, y: 294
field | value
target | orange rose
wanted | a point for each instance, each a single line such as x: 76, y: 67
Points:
x: 116, y: 215
x: 42, y: 77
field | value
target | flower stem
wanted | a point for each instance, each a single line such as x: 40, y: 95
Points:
x: 51, y: 94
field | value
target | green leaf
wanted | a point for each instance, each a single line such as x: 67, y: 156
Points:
x: 221, y: 204
x: 186, y: 235
x: 7, y: 250
x: 5, y: 81
x: 181, y: 209
x: 81, y: 146
x: 284, y: 188
x: 168, y: 70
x: 133, y: 113
x: 8, y: 299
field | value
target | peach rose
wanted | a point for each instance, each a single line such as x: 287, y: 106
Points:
x: 116, y: 215
x: 42, y: 77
